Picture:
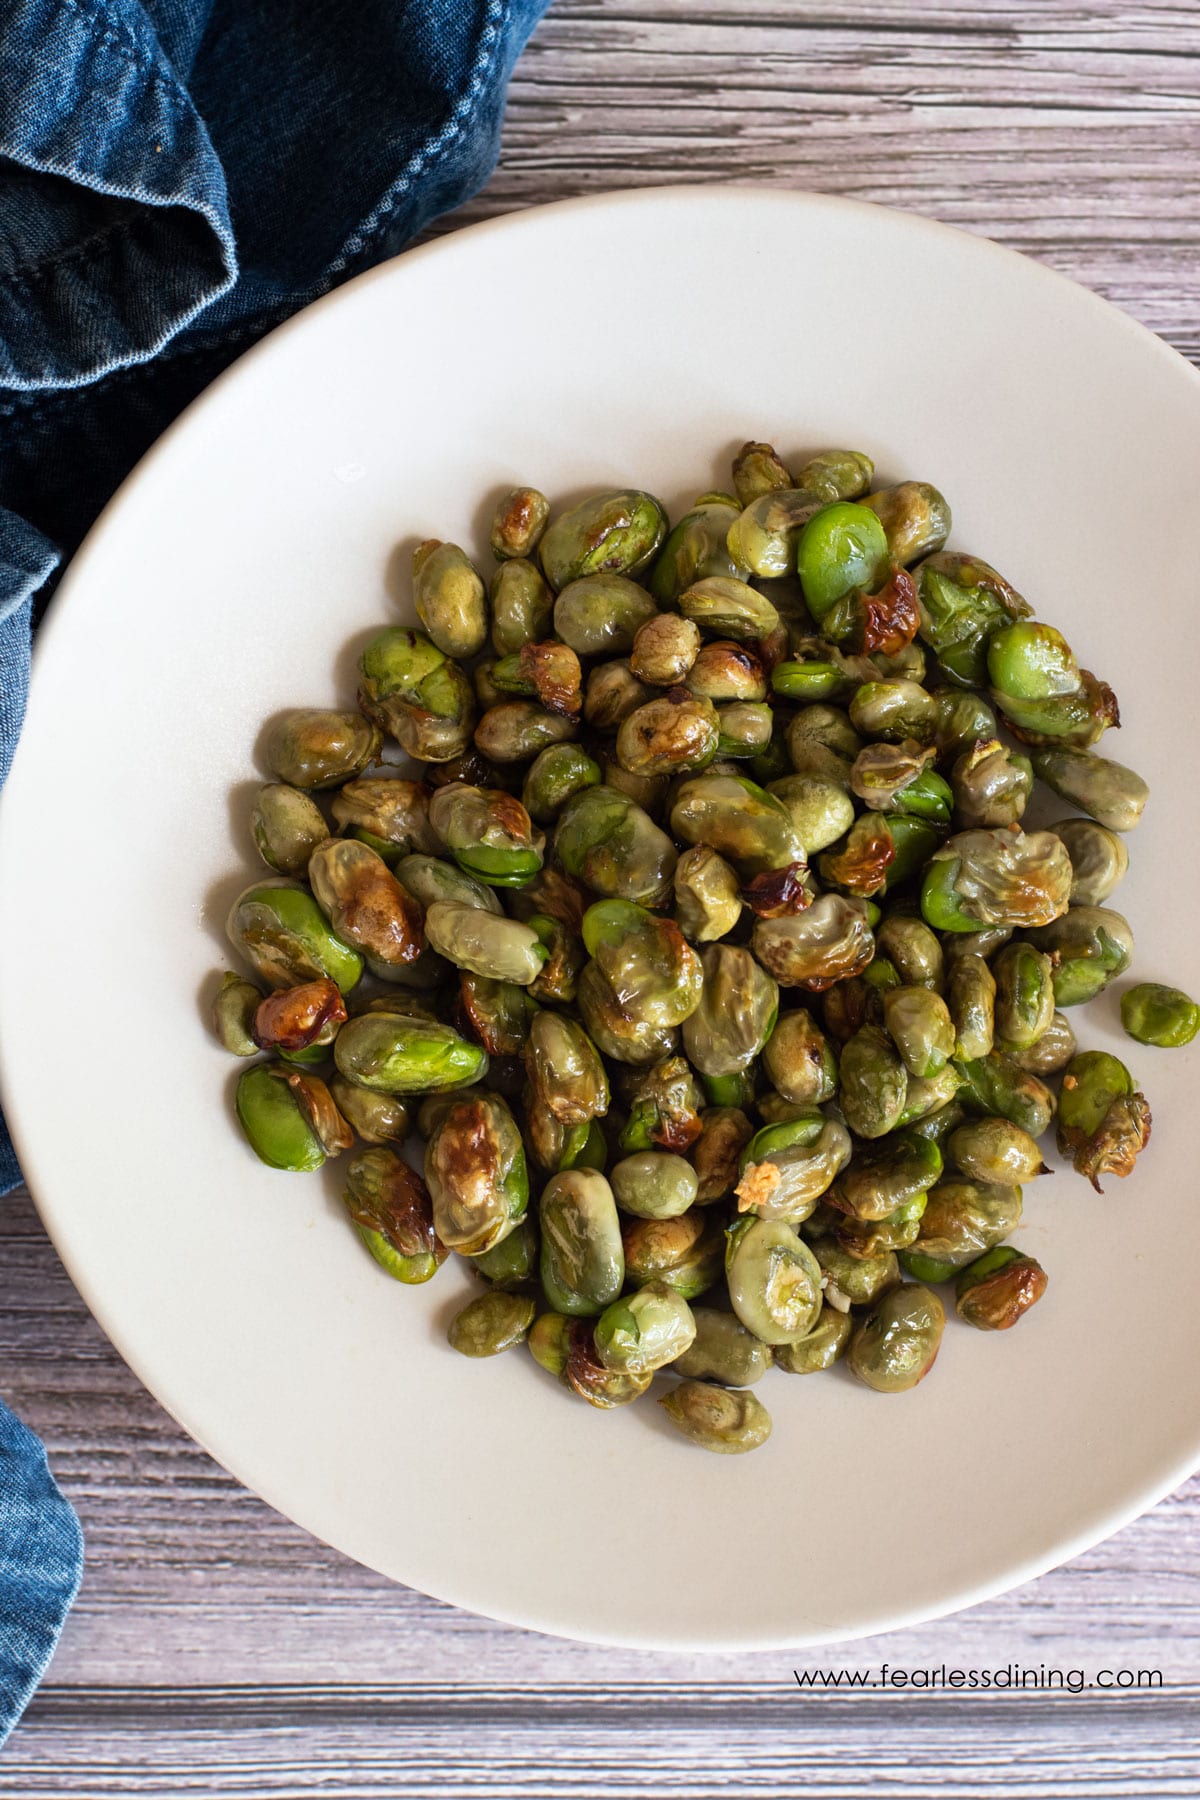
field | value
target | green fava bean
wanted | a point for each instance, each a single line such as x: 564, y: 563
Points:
x: 1052, y: 1051
x: 488, y: 833
x: 549, y: 1341
x: 491, y: 1323
x: 963, y: 1218
x: 653, y: 1184
x: 916, y: 518
x: 739, y: 820
x: 1088, y: 946
x: 837, y: 474
x: 1099, y: 859
x: 843, y: 547
x: 1067, y: 721
x: 874, y: 1082
x: 477, y: 1174
x: 962, y: 719
x: 830, y: 941
x: 739, y: 1004
x: 696, y: 548
x: 587, y: 1376
x: 522, y: 606
x: 669, y: 735
x: 727, y: 672
x: 664, y: 650
x: 613, y: 692
x: 664, y: 1107
x: 1156, y: 1014
x: 995, y: 1151
x: 395, y: 1055
x: 411, y: 690
x: 996, y: 1084
x: 708, y: 899
x: 687, y: 1253
x: 1031, y: 661
x: 725, y: 1420
x: 745, y: 731
x: 285, y: 937
x: 608, y: 841
x: 817, y: 670
x: 824, y: 1346
x: 868, y: 1239
x: 644, y: 1331
x: 566, y: 1075
x: 614, y: 1032
x: 728, y: 608
x: 895, y: 710
x: 717, y: 1152
x: 1024, y: 995
x: 1103, y: 1121
x: 787, y: 1167
x: 310, y: 748
x: 555, y: 776
x: 518, y: 523
x: 365, y: 904
x: 920, y: 1026
x: 913, y: 843
x: 430, y: 879
x: 913, y: 950
x: 1003, y: 877
x: 991, y: 786
x: 853, y: 1280
x: 655, y: 975
x: 286, y: 825
x: 517, y: 730
x: 601, y: 615
x: 887, y: 1175
x: 774, y: 1280
x: 502, y: 949
x: 800, y: 1060
x: 897, y: 1343
x: 963, y: 602
x: 1107, y: 791
x: 275, y: 1122
x: 931, y: 1096
x: 234, y: 1007
x: 723, y: 1351
x: 616, y: 532
x: 375, y: 1118
x: 993, y: 1293
x: 943, y: 1114
x: 390, y: 1207
x: 583, y: 1263
x: 388, y: 814
x: 449, y: 597
x: 765, y: 536
x: 757, y: 470
x: 971, y: 998
x: 819, y: 807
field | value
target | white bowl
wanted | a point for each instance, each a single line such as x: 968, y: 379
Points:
x: 636, y: 338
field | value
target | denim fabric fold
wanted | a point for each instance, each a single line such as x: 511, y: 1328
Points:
x: 41, y: 1561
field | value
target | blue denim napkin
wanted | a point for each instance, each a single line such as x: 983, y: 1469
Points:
x: 176, y: 176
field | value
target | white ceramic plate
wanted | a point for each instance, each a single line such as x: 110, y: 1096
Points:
x: 637, y: 338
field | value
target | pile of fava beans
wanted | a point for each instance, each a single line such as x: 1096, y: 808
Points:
x: 659, y: 935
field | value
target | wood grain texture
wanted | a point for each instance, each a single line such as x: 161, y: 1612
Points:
x: 217, y: 1649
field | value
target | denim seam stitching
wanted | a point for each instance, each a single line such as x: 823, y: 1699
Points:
x: 360, y: 239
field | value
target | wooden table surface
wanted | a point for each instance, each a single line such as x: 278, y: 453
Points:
x: 217, y: 1650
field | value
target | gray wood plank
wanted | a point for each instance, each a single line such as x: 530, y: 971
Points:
x: 216, y: 1649
x: 641, y: 1744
